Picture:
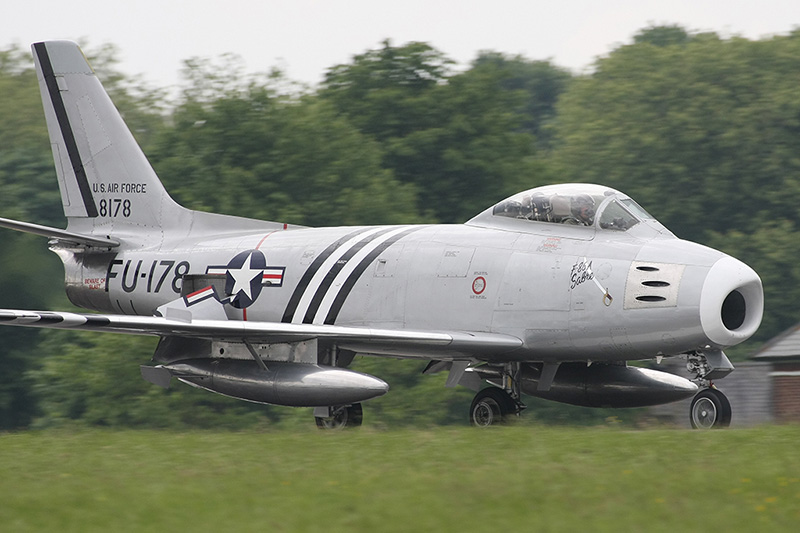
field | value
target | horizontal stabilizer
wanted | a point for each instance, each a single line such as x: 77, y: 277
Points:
x: 65, y: 236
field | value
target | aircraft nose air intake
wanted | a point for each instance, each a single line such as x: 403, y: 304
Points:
x: 731, y: 302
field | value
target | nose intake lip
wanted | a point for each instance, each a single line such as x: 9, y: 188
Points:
x: 731, y: 302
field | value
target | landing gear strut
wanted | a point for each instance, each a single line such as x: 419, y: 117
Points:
x: 340, y: 417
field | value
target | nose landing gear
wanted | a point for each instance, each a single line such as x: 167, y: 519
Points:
x: 710, y: 408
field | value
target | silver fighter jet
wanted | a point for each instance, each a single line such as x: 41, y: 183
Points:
x: 548, y: 293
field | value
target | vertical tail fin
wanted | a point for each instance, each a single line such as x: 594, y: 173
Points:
x: 107, y: 185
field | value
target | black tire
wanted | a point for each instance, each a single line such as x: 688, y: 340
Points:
x: 491, y: 406
x: 350, y: 416
x: 710, y: 409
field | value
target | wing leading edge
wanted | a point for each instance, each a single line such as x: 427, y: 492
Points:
x: 390, y: 342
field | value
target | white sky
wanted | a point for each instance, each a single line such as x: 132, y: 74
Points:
x: 305, y: 37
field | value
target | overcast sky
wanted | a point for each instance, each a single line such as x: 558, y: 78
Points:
x: 305, y: 37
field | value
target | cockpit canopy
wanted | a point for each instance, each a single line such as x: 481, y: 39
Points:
x: 575, y: 205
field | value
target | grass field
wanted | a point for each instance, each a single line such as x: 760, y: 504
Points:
x: 450, y: 479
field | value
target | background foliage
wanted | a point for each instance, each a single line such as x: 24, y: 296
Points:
x: 703, y: 131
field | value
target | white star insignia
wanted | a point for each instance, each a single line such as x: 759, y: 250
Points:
x: 243, y: 277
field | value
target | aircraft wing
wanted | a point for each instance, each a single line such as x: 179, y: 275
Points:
x: 450, y: 345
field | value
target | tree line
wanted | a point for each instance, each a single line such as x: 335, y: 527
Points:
x: 703, y: 131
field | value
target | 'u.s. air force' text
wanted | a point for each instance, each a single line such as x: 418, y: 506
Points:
x: 120, y: 188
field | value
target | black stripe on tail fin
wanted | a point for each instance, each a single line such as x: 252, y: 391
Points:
x: 50, y: 81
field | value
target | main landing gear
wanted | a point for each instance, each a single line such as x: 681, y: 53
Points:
x: 710, y: 408
x: 340, y: 417
x: 495, y: 405
x: 492, y: 406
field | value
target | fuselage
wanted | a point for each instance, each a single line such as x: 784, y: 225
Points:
x: 571, y: 293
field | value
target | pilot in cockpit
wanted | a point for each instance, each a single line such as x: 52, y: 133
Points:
x: 581, y: 210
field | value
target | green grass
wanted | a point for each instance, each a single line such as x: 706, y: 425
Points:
x: 454, y: 479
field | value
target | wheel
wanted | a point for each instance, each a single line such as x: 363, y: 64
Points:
x: 491, y: 406
x: 710, y: 410
x: 349, y: 416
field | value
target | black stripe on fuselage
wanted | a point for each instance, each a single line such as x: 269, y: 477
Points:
x: 348, y: 285
x: 316, y: 301
x: 302, y: 285
x: 66, y: 130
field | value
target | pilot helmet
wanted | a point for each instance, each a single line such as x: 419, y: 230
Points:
x: 582, y: 207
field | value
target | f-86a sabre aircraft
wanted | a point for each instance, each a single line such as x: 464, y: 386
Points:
x: 548, y: 293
